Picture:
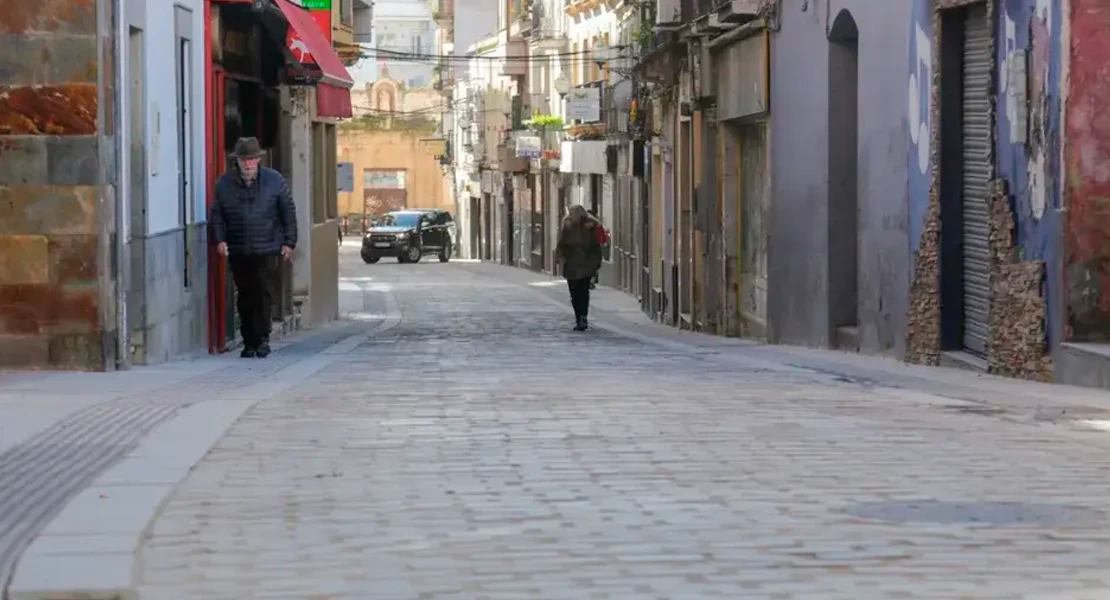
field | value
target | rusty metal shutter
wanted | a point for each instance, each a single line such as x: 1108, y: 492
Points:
x: 976, y: 177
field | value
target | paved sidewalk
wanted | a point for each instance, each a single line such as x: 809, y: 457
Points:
x: 62, y: 431
x: 468, y: 445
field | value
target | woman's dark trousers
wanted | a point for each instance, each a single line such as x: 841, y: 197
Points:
x: 580, y: 296
x: 254, y: 278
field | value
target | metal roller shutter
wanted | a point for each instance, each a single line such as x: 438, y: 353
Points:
x: 976, y: 177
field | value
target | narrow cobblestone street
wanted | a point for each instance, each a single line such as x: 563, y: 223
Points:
x: 456, y: 440
x: 477, y: 448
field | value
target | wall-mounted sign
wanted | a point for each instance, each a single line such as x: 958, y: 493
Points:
x: 383, y: 179
x: 529, y: 146
x: 345, y: 176
x: 306, y: 71
x: 584, y: 104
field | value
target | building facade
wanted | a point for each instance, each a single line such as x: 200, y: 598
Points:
x: 985, y: 180
x: 60, y: 189
x: 838, y: 252
x: 162, y: 178
x: 1065, y: 224
x: 759, y: 182
x: 402, y: 30
x: 395, y: 166
x: 106, y: 258
x: 480, y: 124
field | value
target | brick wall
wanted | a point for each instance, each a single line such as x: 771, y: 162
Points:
x: 50, y: 185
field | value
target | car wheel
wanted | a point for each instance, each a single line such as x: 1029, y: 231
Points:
x: 445, y: 254
x: 413, y: 255
x: 370, y: 259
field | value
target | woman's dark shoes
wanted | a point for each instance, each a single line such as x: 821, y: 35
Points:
x: 248, y: 353
x: 581, y: 324
x: 263, y: 351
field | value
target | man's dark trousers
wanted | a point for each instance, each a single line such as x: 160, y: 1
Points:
x: 254, y: 280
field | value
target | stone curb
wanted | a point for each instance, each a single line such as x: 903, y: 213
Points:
x: 90, y: 551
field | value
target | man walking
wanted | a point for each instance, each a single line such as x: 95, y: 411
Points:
x: 254, y: 222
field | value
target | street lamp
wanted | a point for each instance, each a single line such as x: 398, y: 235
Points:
x: 562, y: 85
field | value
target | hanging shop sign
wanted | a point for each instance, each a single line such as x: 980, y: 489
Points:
x: 584, y: 104
x: 307, y: 71
x: 529, y: 146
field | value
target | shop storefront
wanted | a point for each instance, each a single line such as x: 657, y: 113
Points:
x: 258, y: 52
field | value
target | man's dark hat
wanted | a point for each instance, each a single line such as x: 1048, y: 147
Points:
x: 247, y: 147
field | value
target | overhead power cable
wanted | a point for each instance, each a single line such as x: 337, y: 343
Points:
x: 417, y: 57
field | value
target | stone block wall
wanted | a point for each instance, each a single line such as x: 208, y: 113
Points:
x: 52, y: 184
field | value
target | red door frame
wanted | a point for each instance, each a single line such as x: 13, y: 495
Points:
x: 214, y: 142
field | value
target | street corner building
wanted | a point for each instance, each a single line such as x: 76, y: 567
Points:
x: 920, y: 179
x: 116, y: 116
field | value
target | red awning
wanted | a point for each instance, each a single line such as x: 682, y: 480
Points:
x: 311, y: 48
x: 333, y: 101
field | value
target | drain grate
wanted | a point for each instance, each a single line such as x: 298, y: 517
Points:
x: 984, y: 513
x: 975, y: 409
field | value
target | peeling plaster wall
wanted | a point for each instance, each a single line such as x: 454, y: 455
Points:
x: 799, y: 257
x: 1027, y: 150
x: 1025, y: 196
x: 1087, y: 164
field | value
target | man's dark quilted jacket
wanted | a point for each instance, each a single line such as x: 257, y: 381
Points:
x: 254, y: 220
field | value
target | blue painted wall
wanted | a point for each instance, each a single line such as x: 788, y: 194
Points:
x: 1031, y: 28
x: 918, y: 117
x: 1031, y: 167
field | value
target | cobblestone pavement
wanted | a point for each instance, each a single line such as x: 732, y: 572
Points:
x: 480, y: 449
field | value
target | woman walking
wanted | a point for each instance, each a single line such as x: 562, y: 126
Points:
x: 580, y: 253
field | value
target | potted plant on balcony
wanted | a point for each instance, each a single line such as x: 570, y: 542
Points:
x: 587, y: 131
x: 545, y: 125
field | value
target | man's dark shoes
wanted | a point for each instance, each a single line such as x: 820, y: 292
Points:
x: 263, y: 350
x: 580, y: 324
x: 248, y: 353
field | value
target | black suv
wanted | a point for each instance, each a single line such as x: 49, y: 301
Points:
x: 410, y: 234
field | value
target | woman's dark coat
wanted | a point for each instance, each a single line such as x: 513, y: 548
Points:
x: 579, y: 250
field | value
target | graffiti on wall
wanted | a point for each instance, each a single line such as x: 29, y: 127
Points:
x: 918, y: 116
x: 1024, y: 196
x: 1027, y: 147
